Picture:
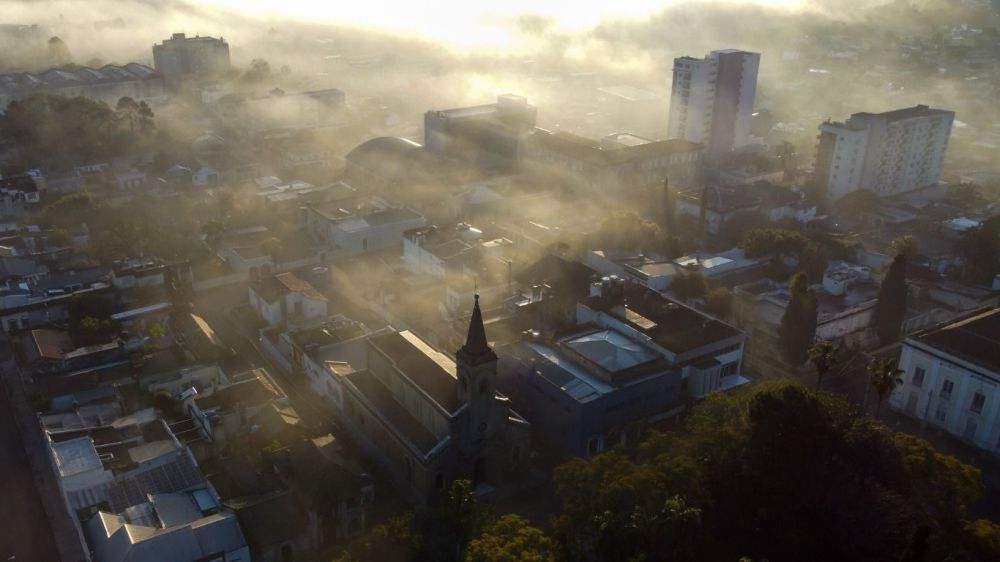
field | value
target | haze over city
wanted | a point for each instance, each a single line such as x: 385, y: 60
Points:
x: 666, y: 280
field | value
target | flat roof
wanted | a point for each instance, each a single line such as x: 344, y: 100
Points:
x: 611, y: 350
x: 76, y: 456
x: 567, y: 374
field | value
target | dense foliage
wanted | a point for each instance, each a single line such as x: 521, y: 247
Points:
x: 798, y: 325
x: 891, y: 306
x: 60, y: 133
x: 770, y: 471
x: 980, y: 249
x: 773, y: 472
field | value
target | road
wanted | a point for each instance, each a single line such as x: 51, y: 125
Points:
x: 26, y: 534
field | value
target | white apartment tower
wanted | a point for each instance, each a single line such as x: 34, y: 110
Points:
x: 711, y: 100
x: 888, y: 153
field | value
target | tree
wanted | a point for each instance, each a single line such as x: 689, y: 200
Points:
x: 980, y: 250
x: 511, y: 539
x: 891, y: 306
x: 735, y: 229
x: 689, y: 285
x: 719, y: 302
x: 823, y: 357
x: 781, y: 243
x: 447, y: 529
x: 884, y: 377
x: 259, y: 71
x: 856, y: 203
x: 626, y: 231
x: 782, y: 474
x: 798, y: 325
x: 904, y: 245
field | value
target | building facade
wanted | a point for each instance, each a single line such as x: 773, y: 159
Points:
x: 711, y: 100
x: 951, y: 378
x: 888, y: 153
x: 108, y: 83
x: 180, y: 57
x: 491, y: 135
x: 428, y: 419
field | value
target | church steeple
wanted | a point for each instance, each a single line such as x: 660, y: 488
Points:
x: 475, y: 341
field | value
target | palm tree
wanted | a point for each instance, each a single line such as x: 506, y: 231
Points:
x: 823, y: 356
x: 885, y: 377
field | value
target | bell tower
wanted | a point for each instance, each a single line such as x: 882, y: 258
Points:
x: 477, y: 377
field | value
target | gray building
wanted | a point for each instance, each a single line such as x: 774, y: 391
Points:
x: 181, y: 58
x: 630, y: 360
x: 491, y: 135
x: 711, y: 100
x: 108, y: 83
x: 888, y: 153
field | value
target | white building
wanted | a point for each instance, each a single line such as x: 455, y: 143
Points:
x: 374, y: 227
x: 888, y: 153
x: 285, y: 299
x: 712, y: 99
x: 951, y: 378
x: 82, y: 477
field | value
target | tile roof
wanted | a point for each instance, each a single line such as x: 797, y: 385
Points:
x: 428, y: 369
x: 974, y: 337
x: 399, y: 420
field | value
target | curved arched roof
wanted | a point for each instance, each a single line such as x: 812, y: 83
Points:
x: 381, y: 148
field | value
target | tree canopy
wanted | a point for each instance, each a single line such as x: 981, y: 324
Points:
x: 980, y: 249
x: 775, y: 472
x: 61, y: 133
x: 626, y: 231
x: 891, y: 306
x: 798, y: 325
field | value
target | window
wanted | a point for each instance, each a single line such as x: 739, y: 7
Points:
x: 465, y: 384
x: 728, y: 369
x: 918, y: 377
x: 439, y: 481
x: 942, y: 413
x: 593, y: 446
x: 946, y: 389
x: 484, y: 386
x: 978, y: 400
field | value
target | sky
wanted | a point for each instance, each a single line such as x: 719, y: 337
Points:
x: 464, y: 23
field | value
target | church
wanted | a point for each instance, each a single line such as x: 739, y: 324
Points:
x: 429, y: 420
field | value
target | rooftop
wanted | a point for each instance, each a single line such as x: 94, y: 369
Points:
x: 974, y: 337
x: 670, y: 324
x: 428, y: 369
x: 273, y: 288
x: 385, y: 404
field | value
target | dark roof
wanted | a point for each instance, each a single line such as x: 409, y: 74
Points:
x: 909, y: 113
x: 392, y: 215
x: 174, y: 476
x: 52, y: 344
x: 249, y: 392
x: 395, y: 414
x: 974, y: 337
x: 371, y: 151
x: 321, y: 469
x: 271, y: 519
x: 475, y: 342
x: 24, y: 184
x: 670, y: 324
x: 722, y: 199
x: 562, y: 275
x: 422, y: 364
x: 275, y: 287
x: 590, y: 150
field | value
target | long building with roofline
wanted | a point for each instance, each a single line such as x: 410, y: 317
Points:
x: 108, y: 83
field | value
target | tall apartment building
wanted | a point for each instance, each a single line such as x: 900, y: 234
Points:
x: 181, y: 57
x: 888, y: 153
x: 712, y: 99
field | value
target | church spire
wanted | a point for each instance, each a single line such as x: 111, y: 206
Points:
x: 475, y: 342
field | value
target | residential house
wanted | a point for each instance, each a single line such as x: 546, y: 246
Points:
x: 286, y: 300
x: 951, y: 378
x: 374, y: 226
